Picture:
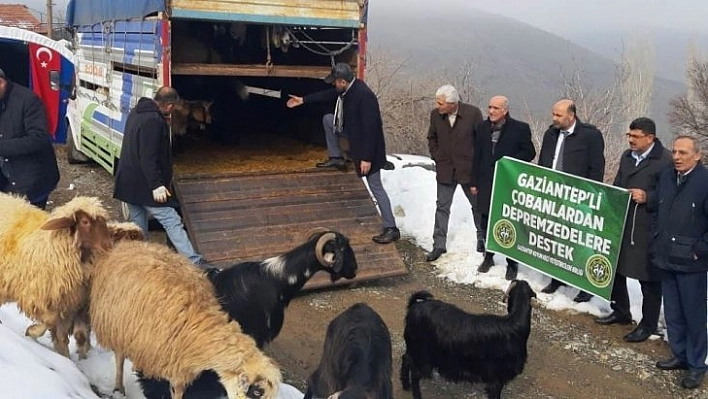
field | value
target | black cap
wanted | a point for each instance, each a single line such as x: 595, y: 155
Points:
x: 340, y: 70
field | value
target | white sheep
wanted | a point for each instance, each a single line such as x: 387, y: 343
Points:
x: 154, y: 307
x: 41, y: 260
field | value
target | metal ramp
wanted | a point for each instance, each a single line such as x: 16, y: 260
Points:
x: 236, y: 218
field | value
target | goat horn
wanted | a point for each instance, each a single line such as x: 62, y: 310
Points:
x: 314, y: 231
x: 319, y: 248
x: 505, y: 298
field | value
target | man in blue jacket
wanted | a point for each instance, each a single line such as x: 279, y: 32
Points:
x: 28, y: 165
x: 358, y: 117
x: 680, y: 249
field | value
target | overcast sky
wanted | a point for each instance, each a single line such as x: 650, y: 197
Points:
x: 564, y: 16
x: 557, y: 16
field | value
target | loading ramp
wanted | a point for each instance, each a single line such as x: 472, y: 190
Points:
x: 243, y: 217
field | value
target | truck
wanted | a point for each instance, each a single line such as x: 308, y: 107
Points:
x: 44, y: 65
x: 244, y: 173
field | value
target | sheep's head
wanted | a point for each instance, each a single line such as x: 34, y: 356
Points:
x: 90, y: 233
x: 335, y: 254
x: 263, y: 384
x: 518, y: 290
x: 125, y: 231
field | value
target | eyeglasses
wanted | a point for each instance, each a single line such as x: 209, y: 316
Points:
x: 635, y: 136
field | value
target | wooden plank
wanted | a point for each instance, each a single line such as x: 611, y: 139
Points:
x: 237, y: 218
x: 276, y: 71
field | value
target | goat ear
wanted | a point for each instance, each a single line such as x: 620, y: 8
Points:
x: 58, y: 223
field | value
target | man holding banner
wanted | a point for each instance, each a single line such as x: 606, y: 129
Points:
x: 498, y: 136
x: 576, y: 148
x: 680, y: 249
x: 639, y: 169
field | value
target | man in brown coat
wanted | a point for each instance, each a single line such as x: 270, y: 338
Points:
x: 450, y: 141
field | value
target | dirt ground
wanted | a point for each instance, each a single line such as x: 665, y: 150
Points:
x: 569, y: 355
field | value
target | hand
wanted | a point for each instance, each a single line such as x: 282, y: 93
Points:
x: 160, y: 194
x: 365, y: 167
x: 474, y: 190
x: 294, y: 101
x: 638, y: 195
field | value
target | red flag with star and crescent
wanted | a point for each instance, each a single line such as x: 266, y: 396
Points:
x: 42, y: 61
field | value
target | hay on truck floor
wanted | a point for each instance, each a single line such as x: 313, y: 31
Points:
x: 265, y: 153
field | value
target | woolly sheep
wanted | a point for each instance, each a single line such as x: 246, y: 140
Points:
x: 256, y: 293
x: 41, y: 257
x: 154, y: 307
x: 81, y: 327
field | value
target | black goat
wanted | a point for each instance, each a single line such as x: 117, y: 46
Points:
x: 466, y: 347
x: 256, y: 294
x: 356, y: 359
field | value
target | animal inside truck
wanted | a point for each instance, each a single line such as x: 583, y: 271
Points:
x: 244, y: 162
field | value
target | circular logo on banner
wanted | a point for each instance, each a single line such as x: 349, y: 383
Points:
x: 504, y: 233
x: 598, y: 271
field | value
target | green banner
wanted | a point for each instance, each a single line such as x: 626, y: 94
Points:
x: 564, y: 226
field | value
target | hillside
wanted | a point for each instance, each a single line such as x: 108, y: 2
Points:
x: 509, y: 57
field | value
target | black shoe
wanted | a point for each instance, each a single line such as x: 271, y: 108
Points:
x: 640, y: 334
x: 435, y: 254
x: 693, y: 379
x: 480, y: 246
x: 338, y: 163
x: 672, y: 364
x: 487, y: 263
x: 552, y: 287
x: 614, y: 318
x: 582, y: 297
x: 389, y: 234
x: 512, y: 269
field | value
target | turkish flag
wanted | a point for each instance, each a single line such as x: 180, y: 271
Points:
x: 43, y: 61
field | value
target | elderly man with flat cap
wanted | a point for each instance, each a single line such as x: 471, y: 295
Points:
x: 358, y: 117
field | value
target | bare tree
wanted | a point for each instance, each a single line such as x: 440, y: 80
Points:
x: 689, y: 112
x: 603, y: 108
x: 406, y: 98
x: 637, y: 70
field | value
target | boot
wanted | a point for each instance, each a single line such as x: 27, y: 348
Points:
x: 512, y: 269
x: 487, y: 263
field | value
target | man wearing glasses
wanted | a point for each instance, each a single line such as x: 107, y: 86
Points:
x: 638, y: 172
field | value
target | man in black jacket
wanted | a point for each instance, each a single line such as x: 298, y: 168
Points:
x: 680, y: 248
x: 358, y: 117
x: 576, y: 148
x: 639, y: 169
x: 28, y: 165
x: 498, y: 136
x: 144, y: 175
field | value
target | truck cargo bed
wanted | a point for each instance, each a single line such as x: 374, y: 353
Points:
x: 235, y: 215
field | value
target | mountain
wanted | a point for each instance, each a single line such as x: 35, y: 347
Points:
x: 510, y: 57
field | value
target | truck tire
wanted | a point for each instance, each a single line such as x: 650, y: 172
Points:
x: 73, y: 155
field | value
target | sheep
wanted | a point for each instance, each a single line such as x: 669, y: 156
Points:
x: 466, y: 347
x: 256, y: 294
x: 154, y: 307
x: 42, y: 257
x: 356, y: 359
x: 81, y: 326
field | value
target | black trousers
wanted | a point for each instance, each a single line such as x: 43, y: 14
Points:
x: 651, y: 304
